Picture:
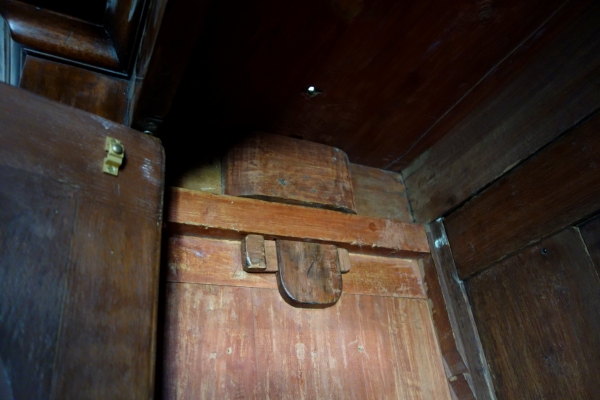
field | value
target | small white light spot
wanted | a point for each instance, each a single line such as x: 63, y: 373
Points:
x: 311, y: 88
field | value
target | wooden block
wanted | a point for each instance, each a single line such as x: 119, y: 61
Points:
x: 235, y: 217
x: 253, y: 253
x: 195, y: 259
x: 538, y: 318
x: 379, y: 193
x: 344, y: 258
x: 287, y: 170
x: 309, y: 273
x: 554, y: 189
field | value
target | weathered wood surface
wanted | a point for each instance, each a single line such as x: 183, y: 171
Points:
x: 344, y: 258
x: 453, y: 361
x: 89, y: 91
x: 277, y: 168
x: 538, y: 319
x: 203, y: 213
x: 309, y: 273
x: 379, y: 193
x: 253, y: 253
x: 104, y: 344
x: 555, y: 188
x: 459, y: 313
x: 460, y: 389
x: 232, y: 342
x: 541, y: 96
x: 201, y: 260
x: 591, y: 236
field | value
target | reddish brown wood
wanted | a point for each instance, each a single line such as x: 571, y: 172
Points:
x: 201, y: 260
x: 536, y: 312
x: 460, y: 389
x: 286, y: 170
x: 203, y: 213
x: 541, y: 91
x: 89, y: 91
x: 309, y: 273
x: 557, y: 187
x: 101, y: 319
x: 453, y: 361
x: 225, y: 342
x: 388, y: 70
x: 122, y: 20
x: 253, y: 253
x: 59, y: 35
x: 379, y: 193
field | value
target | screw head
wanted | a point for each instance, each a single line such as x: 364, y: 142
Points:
x: 117, y: 148
x: 544, y: 251
x: 112, y: 169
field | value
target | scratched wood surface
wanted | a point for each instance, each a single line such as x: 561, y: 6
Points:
x: 211, y: 261
x: 228, y: 342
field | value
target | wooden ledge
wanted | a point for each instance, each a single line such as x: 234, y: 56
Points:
x: 205, y: 214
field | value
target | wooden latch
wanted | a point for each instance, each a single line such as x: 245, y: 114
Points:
x: 114, y: 157
x: 308, y: 274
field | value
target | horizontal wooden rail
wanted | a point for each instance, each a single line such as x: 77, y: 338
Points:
x: 193, y: 212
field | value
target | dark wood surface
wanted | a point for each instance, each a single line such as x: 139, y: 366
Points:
x: 453, y: 361
x: 89, y: 91
x: 591, y: 236
x: 309, y: 273
x: 122, y: 22
x: 286, y: 170
x: 388, y: 70
x: 460, y: 389
x: 91, y: 10
x: 234, y: 217
x: 99, y: 282
x: 459, y: 313
x: 379, y: 193
x: 555, y: 188
x: 537, y: 314
x: 200, y: 260
x: 234, y: 342
x: 544, y: 89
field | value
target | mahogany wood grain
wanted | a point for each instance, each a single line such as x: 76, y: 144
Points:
x: 122, y: 20
x: 537, y: 312
x: 59, y: 35
x: 541, y: 91
x: 453, y: 361
x: 204, y: 213
x: 309, y: 273
x: 459, y: 313
x: 89, y: 91
x: 590, y: 233
x: 557, y: 187
x: 248, y: 343
x: 286, y: 170
x: 379, y: 193
x: 194, y: 259
x: 105, y: 339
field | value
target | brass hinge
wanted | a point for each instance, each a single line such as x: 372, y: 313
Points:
x: 114, y: 158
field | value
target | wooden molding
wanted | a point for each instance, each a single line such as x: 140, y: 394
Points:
x: 202, y: 213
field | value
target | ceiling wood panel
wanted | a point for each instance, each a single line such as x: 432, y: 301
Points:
x: 388, y: 70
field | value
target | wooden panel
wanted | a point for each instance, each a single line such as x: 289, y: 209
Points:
x: 388, y: 70
x: 537, y: 313
x: 453, y: 361
x: 287, y: 170
x: 459, y: 313
x: 459, y: 388
x: 198, y: 212
x: 122, y: 23
x: 59, y: 35
x: 205, y: 177
x: 555, y: 188
x: 379, y: 193
x: 542, y: 96
x: 108, y: 321
x: 238, y: 342
x: 591, y: 236
x: 89, y: 91
x: 34, y: 242
x: 200, y: 260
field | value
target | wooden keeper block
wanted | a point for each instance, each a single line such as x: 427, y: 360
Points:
x: 286, y: 170
x: 344, y: 258
x: 253, y: 253
x: 309, y: 273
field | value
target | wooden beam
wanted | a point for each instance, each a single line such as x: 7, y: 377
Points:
x: 234, y: 217
x: 556, y: 188
x: 459, y: 313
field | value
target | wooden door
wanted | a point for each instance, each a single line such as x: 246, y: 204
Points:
x: 79, y: 254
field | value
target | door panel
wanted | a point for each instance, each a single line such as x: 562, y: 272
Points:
x: 80, y: 252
